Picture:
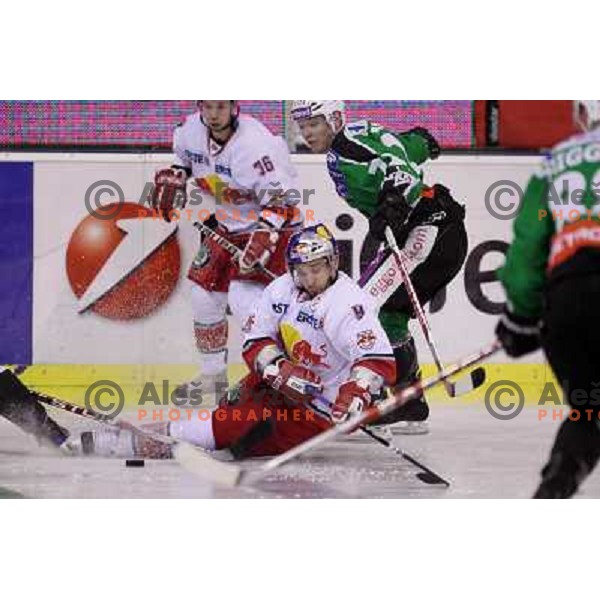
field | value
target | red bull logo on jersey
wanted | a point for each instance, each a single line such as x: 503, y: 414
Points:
x: 303, y: 353
x: 222, y: 192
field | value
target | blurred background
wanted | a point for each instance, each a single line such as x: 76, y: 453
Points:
x: 147, y: 125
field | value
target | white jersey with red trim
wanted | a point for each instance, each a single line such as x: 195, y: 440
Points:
x: 242, y: 176
x: 328, y: 334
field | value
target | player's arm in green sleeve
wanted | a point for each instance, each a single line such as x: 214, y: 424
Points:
x: 524, y: 272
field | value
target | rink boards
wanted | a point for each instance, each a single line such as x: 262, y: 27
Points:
x: 136, y: 338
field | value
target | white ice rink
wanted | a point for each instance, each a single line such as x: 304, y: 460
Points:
x: 482, y: 458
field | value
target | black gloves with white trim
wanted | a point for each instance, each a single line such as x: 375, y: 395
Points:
x: 518, y: 335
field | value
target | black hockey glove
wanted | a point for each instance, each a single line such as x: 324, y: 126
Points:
x: 518, y: 335
x: 394, y: 209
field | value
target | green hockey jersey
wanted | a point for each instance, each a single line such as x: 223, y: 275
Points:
x: 557, y: 230
x: 361, y: 155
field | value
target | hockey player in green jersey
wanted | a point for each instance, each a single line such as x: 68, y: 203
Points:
x: 552, y: 282
x: 378, y: 172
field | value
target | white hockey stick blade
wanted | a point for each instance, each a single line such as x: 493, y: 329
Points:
x: 200, y: 463
x: 471, y: 381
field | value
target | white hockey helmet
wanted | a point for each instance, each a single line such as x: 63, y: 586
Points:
x: 307, y: 109
x: 586, y: 113
x: 311, y: 244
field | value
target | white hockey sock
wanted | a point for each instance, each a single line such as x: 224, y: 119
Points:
x: 197, y: 432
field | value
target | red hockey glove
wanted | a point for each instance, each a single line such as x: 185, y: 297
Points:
x: 297, y: 383
x: 258, y: 250
x: 352, y: 399
x: 169, y: 191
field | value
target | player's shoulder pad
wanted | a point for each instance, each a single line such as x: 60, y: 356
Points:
x: 281, y: 289
x: 253, y: 140
x: 190, y: 128
x: 250, y: 127
x: 357, y: 128
x: 190, y: 122
x: 555, y: 160
x: 350, y: 300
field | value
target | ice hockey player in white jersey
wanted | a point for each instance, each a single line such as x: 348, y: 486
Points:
x: 317, y: 318
x: 316, y: 354
x: 247, y: 171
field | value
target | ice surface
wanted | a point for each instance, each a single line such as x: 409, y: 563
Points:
x: 481, y: 456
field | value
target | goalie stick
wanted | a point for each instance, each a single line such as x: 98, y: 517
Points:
x: 472, y: 380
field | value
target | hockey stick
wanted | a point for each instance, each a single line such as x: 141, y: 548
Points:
x: 74, y: 408
x: 477, y: 377
x: 233, y: 250
x: 229, y: 474
x: 466, y: 384
x: 246, y: 476
x: 190, y: 457
x: 426, y: 475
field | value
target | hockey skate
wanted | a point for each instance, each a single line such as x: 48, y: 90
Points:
x: 411, y: 417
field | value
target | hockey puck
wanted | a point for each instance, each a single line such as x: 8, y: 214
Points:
x: 135, y: 462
